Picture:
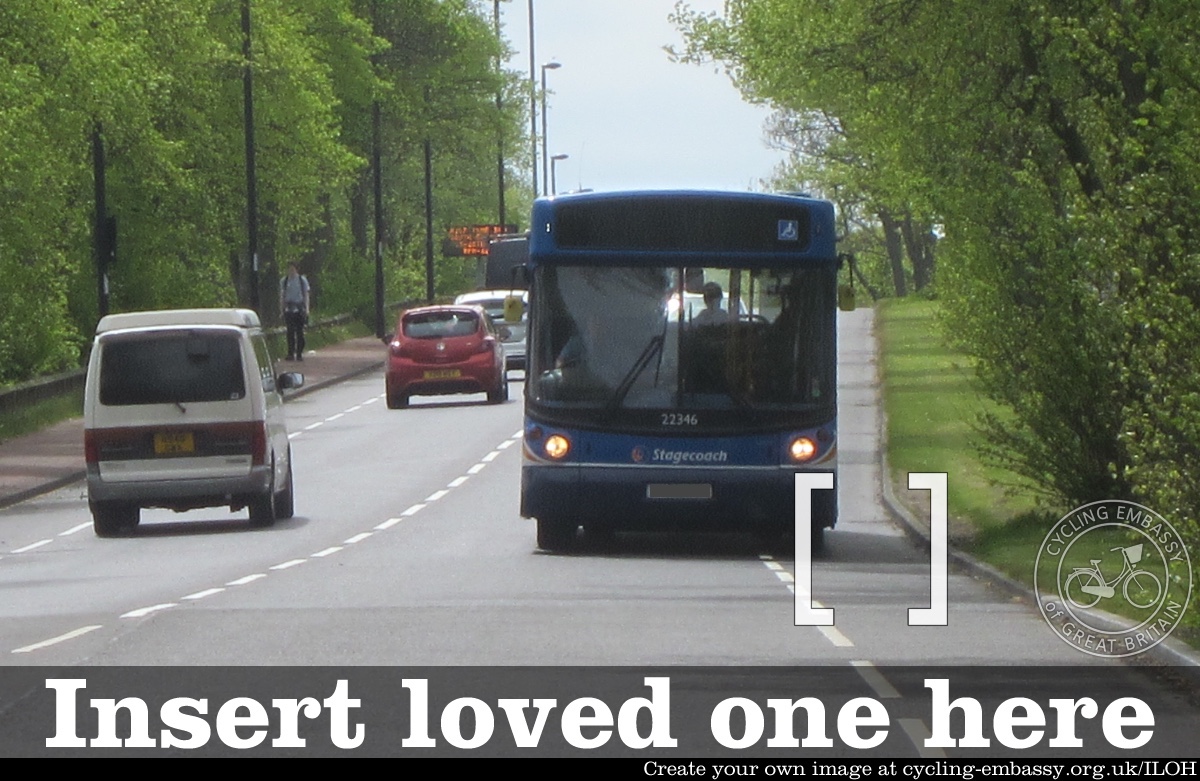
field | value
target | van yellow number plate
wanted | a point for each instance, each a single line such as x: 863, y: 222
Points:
x: 169, y: 443
x: 442, y: 374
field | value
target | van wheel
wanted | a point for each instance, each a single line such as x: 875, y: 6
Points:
x: 285, y: 504
x: 818, y: 540
x: 555, y: 534
x: 262, y: 508
x: 500, y: 394
x: 110, y: 519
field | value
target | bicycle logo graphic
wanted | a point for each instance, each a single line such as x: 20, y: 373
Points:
x: 1102, y: 608
x: 1086, y: 586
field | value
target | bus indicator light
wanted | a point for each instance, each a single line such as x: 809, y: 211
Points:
x: 557, y: 446
x: 802, y: 449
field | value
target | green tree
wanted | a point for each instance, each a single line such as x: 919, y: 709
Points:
x: 1054, y: 141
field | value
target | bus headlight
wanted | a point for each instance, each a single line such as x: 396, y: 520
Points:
x: 802, y: 449
x: 557, y: 446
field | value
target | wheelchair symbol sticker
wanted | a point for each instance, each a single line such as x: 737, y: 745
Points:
x: 789, y: 230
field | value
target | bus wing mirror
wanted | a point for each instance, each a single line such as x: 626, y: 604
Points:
x: 514, y: 308
x: 846, y: 298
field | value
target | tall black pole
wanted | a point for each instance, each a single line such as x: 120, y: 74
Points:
x: 428, y: 222
x: 500, y: 121
x: 100, y: 236
x: 533, y: 158
x: 376, y: 157
x: 251, y: 180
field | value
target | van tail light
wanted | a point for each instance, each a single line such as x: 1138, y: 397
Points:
x: 258, y: 443
x: 237, y: 438
x: 112, y: 444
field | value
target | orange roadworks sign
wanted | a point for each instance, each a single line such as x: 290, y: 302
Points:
x: 473, y: 239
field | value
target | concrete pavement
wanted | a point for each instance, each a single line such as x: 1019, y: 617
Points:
x: 53, y: 457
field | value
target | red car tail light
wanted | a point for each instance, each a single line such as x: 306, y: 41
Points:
x: 487, y: 344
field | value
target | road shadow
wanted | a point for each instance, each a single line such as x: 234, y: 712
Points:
x: 842, y: 547
x: 207, y: 525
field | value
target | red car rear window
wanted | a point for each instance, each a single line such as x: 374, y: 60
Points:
x: 439, y: 325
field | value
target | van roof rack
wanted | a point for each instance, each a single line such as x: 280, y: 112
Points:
x: 243, y: 318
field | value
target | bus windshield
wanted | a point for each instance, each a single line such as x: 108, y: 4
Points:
x: 613, y: 339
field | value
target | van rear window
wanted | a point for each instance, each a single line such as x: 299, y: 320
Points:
x: 169, y: 367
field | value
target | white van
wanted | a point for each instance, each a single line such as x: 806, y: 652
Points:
x: 182, y: 410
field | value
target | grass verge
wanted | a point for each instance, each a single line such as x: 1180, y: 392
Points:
x: 932, y: 404
x: 40, y: 414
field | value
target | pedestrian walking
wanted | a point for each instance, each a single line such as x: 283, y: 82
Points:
x: 294, y: 302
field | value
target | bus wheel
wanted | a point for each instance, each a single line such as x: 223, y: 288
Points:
x: 555, y: 534
x: 599, y: 535
x: 778, y: 540
x: 818, y: 539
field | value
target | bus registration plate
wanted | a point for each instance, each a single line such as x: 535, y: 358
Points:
x: 169, y: 443
x: 679, y: 491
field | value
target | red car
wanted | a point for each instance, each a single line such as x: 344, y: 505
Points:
x: 445, y: 349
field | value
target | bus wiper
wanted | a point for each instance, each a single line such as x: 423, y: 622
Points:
x: 652, y: 348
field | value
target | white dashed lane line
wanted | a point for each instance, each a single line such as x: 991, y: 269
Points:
x: 247, y: 579
x: 831, y: 633
x: 918, y: 733
x: 208, y: 592
x: 142, y: 612
x: 83, y: 630
x: 31, y: 546
x: 870, y: 673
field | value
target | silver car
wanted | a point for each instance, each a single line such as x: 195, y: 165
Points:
x: 492, y: 302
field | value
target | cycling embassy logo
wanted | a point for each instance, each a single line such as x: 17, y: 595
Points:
x: 1113, y: 578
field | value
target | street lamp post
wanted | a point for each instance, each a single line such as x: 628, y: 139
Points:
x: 251, y: 177
x: 553, y: 169
x: 532, y: 105
x: 377, y: 176
x: 500, y: 120
x: 545, y: 133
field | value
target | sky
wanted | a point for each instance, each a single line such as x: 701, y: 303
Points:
x: 627, y: 117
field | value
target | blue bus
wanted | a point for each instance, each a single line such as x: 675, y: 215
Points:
x: 682, y: 363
